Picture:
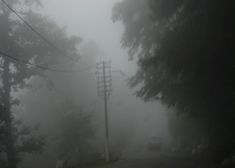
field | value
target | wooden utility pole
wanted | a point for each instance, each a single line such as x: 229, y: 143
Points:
x: 104, y: 80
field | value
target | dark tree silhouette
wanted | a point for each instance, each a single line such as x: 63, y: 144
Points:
x: 186, y: 58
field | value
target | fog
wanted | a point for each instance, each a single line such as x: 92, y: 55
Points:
x: 116, y: 83
x: 131, y: 120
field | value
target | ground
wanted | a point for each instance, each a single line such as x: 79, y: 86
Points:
x: 149, y: 159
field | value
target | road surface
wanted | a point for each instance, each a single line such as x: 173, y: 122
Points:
x: 159, y: 160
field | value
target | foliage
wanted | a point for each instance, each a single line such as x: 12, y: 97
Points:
x: 76, y: 133
x: 20, y: 42
x: 185, y: 131
x: 186, y: 57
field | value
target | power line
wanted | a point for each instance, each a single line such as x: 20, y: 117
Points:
x: 43, y: 38
x: 40, y: 66
x: 33, y: 29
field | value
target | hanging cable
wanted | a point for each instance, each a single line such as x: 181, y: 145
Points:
x: 16, y: 60
x: 33, y: 29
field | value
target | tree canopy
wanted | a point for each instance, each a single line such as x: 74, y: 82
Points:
x: 76, y: 133
x: 185, y: 55
x: 22, y: 48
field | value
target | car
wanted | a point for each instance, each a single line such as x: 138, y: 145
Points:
x: 155, y: 144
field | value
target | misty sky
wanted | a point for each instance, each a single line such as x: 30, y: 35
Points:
x: 91, y: 19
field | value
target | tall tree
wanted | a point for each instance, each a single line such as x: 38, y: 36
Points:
x: 186, y: 57
x: 76, y: 133
x: 20, y: 42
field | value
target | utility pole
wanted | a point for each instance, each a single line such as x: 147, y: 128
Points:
x: 104, y: 81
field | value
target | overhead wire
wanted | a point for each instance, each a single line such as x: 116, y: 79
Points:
x: 33, y: 29
x: 41, y: 66
x: 44, y: 39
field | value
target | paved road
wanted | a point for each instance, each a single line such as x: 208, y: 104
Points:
x: 160, y: 160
